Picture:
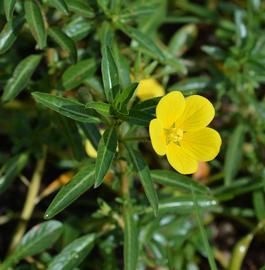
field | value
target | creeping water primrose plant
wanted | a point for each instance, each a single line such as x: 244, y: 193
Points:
x: 112, y: 114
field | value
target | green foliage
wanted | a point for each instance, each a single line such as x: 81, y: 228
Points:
x: 70, y: 71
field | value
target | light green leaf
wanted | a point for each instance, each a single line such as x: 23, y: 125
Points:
x: 79, y: 184
x: 106, y: 152
x: 75, y: 74
x: 109, y: 74
x: 9, y: 33
x: 20, y: 77
x: 65, y: 42
x: 142, y: 169
x: 178, y: 181
x: 73, y: 254
x: 80, y: 7
x: 234, y: 153
x: 60, y: 5
x: 66, y: 107
x: 36, y: 240
x: 131, y: 245
x: 9, y: 6
x: 36, y: 22
x: 100, y: 107
x: 11, y: 170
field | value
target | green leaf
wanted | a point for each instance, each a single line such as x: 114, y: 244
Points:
x: 20, y: 77
x: 142, y: 39
x: 142, y: 169
x: 79, y: 184
x: 73, y: 254
x: 65, y: 42
x: 259, y: 204
x: 131, y: 246
x: 123, y: 97
x: 36, y: 240
x: 60, y: 5
x: 106, y: 152
x: 76, y: 74
x: 78, y: 28
x: 137, y: 117
x: 9, y: 6
x: 66, y: 107
x: 80, y: 7
x: 91, y: 132
x: 109, y: 74
x: 35, y: 20
x: 178, y: 181
x: 11, y: 170
x: 9, y: 33
x: 234, y: 153
x: 147, y: 106
x: 100, y: 107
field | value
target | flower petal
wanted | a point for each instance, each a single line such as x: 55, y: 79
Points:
x: 158, y: 138
x: 170, y: 108
x: 149, y: 88
x: 180, y: 160
x: 203, y: 145
x: 198, y: 113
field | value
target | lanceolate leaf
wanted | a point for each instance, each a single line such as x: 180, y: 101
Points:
x: 39, y: 238
x: 65, y: 42
x: 106, y: 152
x: 9, y: 33
x: 60, y: 5
x: 36, y: 22
x: 75, y: 74
x: 109, y: 73
x: 73, y: 254
x: 100, y: 107
x: 131, y: 245
x: 79, y: 184
x: 20, y: 77
x: 142, y: 169
x: 9, y: 6
x: 80, y: 7
x: 67, y: 107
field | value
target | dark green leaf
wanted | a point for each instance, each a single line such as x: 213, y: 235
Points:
x: 20, y: 77
x: 142, y: 169
x: 92, y: 133
x: 178, y: 181
x: 9, y: 33
x: 75, y: 74
x: 109, y: 74
x: 73, y: 254
x: 9, y: 6
x: 137, y: 117
x: 131, y: 245
x: 65, y: 42
x: 259, y: 204
x: 36, y: 22
x: 80, y: 7
x: 106, y: 152
x: 79, y: 184
x: 100, y: 107
x: 60, y: 5
x: 147, y: 106
x: 67, y: 107
x: 11, y: 170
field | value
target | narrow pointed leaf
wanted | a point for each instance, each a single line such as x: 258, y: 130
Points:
x: 79, y: 184
x: 20, y: 77
x: 100, y: 107
x: 73, y: 254
x: 142, y: 169
x: 66, y: 107
x: 60, y: 5
x: 65, y: 42
x: 36, y: 22
x: 80, y: 7
x: 109, y: 73
x: 9, y: 6
x: 106, y: 152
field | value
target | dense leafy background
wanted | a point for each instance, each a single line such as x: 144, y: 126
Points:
x: 80, y: 57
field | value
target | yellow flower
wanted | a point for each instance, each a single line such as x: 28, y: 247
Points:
x: 90, y: 150
x: 149, y: 88
x: 180, y: 131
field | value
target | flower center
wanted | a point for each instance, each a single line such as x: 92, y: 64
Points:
x: 174, y: 135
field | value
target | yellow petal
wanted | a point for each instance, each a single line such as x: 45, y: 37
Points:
x: 203, y: 145
x: 90, y: 150
x: 158, y: 138
x: 198, y: 113
x: 149, y: 88
x: 180, y: 160
x: 170, y: 108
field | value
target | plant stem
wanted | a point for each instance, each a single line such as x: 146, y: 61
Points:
x: 29, y: 202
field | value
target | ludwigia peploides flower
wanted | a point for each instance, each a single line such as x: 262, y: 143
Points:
x: 180, y: 131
